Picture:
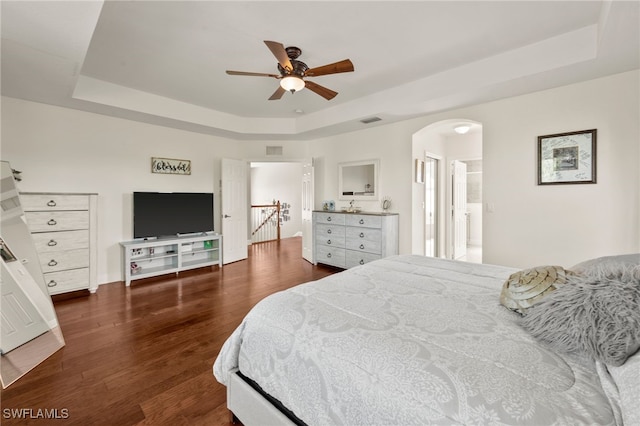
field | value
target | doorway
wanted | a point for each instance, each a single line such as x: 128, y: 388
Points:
x: 473, y: 244
x: 291, y: 184
x: 439, y: 230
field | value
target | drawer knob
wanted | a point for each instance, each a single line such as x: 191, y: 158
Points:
x: 51, y: 203
x: 362, y: 246
x: 52, y: 283
x: 328, y: 231
x: 328, y: 241
x: 361, y: 221
x: 328, y: 254
x: 52, y: 222
x: 52, y: 262
x: 52, y: 243
x: 329, y: 219
x: 362, y: 261
x: 362, y: 235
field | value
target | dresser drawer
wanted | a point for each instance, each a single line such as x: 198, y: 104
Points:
x: 354, y: 258
x: 364, y: 234
x: 59, y: 261
x: 330, y: 240
x: 331, y: 255
x: 369, y: 221
x: 324, y: 231
x: 48, y: 202
x: 332, y: 218
x: 60, y: 282
x: 362, y: 245
x: 59, y: 241
x: 57, y: 221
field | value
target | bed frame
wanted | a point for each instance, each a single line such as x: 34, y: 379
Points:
x: 250, y: 407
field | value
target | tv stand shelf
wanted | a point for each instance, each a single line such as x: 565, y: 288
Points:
x: 144, y: 258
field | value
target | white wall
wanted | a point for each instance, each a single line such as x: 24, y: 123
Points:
x: 562, y: 224
x: 531, y: 224
x: 65, y: 150
x: 281, y: 182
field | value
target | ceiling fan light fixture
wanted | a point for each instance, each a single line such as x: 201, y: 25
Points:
x: 292, y: 83
x: 461, y: 129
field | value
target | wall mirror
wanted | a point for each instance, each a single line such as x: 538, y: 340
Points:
x: 358, y: 180
x: 30, y: 330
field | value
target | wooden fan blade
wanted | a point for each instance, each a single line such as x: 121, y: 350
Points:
x: 335, y: 68
x: 254, y: 74
x: 277, y: 94
x: 280, y: 53
x: 328, y: 94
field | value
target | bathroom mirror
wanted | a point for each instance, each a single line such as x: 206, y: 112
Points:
x: 30, y: 330
x: 358, y: 180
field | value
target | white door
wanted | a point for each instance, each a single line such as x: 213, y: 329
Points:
x: 20, y: 320
x: 459, y: 209
x: 307, y: 211
x: 234, y: 210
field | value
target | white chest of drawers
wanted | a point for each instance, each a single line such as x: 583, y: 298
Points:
x: 346, y: 240
x: 64, y: 229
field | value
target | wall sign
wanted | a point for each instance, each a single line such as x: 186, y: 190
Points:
x: 170, y: 166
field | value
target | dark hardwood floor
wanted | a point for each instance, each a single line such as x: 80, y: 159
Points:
x: 143, y: 355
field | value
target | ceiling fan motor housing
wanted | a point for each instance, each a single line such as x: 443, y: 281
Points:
x: 293, y: 52
x: 293, y: 72
x: 299, y: 69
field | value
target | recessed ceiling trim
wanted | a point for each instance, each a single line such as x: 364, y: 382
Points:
x: 105, y: 93
x: 469, y: 78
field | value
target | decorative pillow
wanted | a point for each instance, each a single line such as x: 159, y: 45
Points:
x: 608, y: 266
x: 627, y: 380
x: 592, y: 315
x: 525, y: 288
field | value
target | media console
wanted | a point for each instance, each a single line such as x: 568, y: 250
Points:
x: 144, y: 258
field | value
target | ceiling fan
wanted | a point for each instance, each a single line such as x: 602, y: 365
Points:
x: 293, y: 72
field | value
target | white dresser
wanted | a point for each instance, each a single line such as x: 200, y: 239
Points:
x: 346, y: 240
x: 64, y: 230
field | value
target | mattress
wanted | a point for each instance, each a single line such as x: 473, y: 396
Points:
x: 409, y: 340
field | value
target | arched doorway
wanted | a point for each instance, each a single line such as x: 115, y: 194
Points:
x: 439, y: 149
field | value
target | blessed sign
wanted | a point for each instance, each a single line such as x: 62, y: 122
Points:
x: 170, y: 166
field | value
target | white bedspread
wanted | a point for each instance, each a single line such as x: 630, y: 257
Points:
x: 409, y: 340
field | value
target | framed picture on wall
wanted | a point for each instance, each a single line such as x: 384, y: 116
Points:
x: 567, y: 158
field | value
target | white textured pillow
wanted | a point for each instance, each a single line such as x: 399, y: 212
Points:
x: 609, y: 266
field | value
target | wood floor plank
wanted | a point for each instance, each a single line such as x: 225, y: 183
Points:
x: 143, y: 355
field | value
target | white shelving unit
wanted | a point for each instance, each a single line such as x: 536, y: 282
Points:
x: 144, y: 258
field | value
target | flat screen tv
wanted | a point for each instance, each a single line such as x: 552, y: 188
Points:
x: 163, y: 214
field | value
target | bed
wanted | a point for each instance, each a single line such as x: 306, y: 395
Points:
x: 412, y: 340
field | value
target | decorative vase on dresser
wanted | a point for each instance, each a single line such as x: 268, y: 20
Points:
x: 64, y: 229
x: 346, y: 240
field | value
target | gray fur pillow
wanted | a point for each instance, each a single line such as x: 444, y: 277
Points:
x: 597, y: 315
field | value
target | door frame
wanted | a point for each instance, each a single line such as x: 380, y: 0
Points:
x: 301, y: 161
x: 437, y: 209
x: 458, y: 221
